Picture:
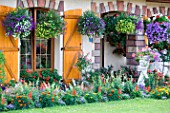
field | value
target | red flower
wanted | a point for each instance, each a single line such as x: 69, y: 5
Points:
x: 160, y: 74
x: 155, y: 70
x: 3, y: 100
x: 99, y: 89
x: 30, y: 95
x: 74, y: 92
x: 40, y: 76
x: 149, y: 71
x: 27, y: 70
x: 157, y: 16
x: 136, y: 88
x: 149, y: 88
x: 169, y: 17
x: 119, y: 91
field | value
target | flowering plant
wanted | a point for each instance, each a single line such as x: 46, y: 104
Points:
x: 91, y: 25
x: 49, y: 25
x: 18, y: 23
x: 127, y: 25
x: 161, y: 93
x: 113, y: 37
x: 2, y: 65
x: 83, y: 62
x: 158, y: 29
x: 151, y: 55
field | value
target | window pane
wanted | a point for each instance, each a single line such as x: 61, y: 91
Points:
x: 38, y: 61
x: 26, y: 53
x: 43, y: 53
x: 48, y: 61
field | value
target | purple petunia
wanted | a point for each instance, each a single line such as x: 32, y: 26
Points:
x: 157, y: 31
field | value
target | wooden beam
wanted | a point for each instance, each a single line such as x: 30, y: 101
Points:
x: 159, y: 1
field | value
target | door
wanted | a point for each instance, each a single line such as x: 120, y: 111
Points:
x: 72, y: 45
x: 9, y: 46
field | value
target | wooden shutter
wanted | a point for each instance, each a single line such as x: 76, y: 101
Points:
x: 72, y: 45
x: 9, y: 46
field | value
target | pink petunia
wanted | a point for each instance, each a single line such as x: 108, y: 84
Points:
x: 133, y: 55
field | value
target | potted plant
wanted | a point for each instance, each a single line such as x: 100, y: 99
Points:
x: 49, y: 25
x: 117, y: 27
x: 18, y: 23
x: 91, y: 25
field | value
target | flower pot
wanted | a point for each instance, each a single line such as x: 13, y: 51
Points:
x: 90, y: 39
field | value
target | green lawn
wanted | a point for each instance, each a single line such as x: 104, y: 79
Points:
x: 124, y: 106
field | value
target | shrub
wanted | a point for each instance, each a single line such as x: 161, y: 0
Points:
x: 114, y: 94
x: 47, y: 99
x: 91, y: 97
x: 22, y: 102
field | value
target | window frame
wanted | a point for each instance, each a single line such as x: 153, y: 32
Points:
x: 33, y: 42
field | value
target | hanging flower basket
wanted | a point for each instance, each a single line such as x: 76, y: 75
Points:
x: 158, y: 29
x: 18, y: 23
x: 50, y: 25
x: 91, y: 25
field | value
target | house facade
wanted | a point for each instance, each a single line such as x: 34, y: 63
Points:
x: 61, y: 53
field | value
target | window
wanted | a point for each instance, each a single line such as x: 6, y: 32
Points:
x: 37, y: 54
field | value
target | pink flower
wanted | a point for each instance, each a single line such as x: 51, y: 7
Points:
x: 87, y: 59
x: 133, y: 55
x: 140, y: 54
x: 27, y: 70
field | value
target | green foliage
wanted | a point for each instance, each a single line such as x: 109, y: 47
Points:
x: 128, y: 87
x: 91, y: 25
x: 22, y: 102
x: 117, y: 83
x: 125, y: 26
x: 113, y: 37
x: 50, y: 76
x: 2, y: 71
x: 47, y: 99
x: 161, y: 92
x: 18, y: 23
x: 91, y: 97
x: 69, y: 99
x: 49, y: 25
x: 83, y: 62
x: 47, y: 76
x: 114, y: 94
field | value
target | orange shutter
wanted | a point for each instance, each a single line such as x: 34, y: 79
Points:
x: 72, y: 45
x: 9, y: 46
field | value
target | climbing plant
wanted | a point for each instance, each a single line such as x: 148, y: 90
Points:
x: 2, y: 63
